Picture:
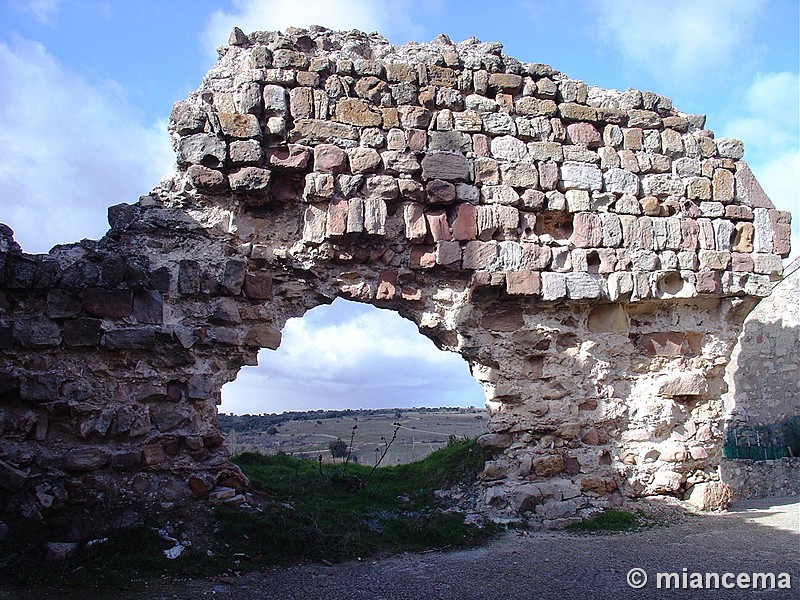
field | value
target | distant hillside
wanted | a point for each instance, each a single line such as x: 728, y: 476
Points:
x: 413, y: 433
x: 263, y: 422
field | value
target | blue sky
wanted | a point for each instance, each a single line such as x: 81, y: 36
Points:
x: 86, y: 87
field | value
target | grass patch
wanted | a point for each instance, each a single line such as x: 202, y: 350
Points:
x: 329, y: 512
x: 610, y: 521
x: 312, y: 512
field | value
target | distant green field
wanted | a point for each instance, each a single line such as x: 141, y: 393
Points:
x: 420, y: 433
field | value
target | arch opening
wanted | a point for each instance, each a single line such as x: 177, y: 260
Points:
x: 348, y: 364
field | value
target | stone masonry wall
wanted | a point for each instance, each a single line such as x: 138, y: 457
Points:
x: 762, y: 404
x: 591, y: 253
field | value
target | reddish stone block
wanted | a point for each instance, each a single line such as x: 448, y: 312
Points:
x: 330, y: 159
x: 486, y: 171
x: 422, y: 257
x: 535, y: 257
x: 336, y: 223
x: 584, y: 134
x: 417, y: 139
x: 690, y: 232
x: 411, y: 190
x: 480, y: 255
x: 548, y: 176
x: 742, y: 262
x: 670, y: 343
x: 258, y: 286
x: 437, y: 225
x: 480, y: 145
x: 781, y: 222
x: 291, y: 157
x: 114, y: 304
x: 738, y: 211
x: 387, y: 286
x: 465, y: 224
x: 708, y: 282
x: 440, y: 192
x: 587, y: 230
x: 527, y: 283
x: 448, y: 254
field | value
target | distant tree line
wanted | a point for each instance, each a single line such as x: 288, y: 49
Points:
x: 263, y: 422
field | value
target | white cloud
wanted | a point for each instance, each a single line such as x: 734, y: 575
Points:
x: 277, y: 15
x: 349, y: 356
x: 766, y: 119
x: 680, y: 39
x: 70, y: 149
x: 43, y: 11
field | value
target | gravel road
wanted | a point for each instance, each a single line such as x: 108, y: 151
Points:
x: 754, y: 537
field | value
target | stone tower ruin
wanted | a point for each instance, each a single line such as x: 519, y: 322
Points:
x: 591, y: 253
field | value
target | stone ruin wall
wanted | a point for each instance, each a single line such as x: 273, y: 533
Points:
x: 591, y: 253
x: 762, y: 404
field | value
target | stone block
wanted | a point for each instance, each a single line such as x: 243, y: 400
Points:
x: 554, y: 286
x: 387, y: 286
x: 584, y: 134
x: 85, y: 459
x: 263, y: 336
x: 202, y: 149
x: 330, y: 159
x: 355, y: 215
x: 722, y: 186
x: 690, y: 383
x: 448, y: 254
x: 413, y: 117
x: 580, y: 176
x: 524, y: 282
x: 714, y: 260
x: 291, y: 157
x: 548, y: 466
x: 312, y: 131
x: 422, y: 257
x: 535, y: 257
x: 438, y: 226
x: 465, y: 224
x: 354, y: 111
x: 747, y: 190
x: 258, y: 285
x: 148, y: 307
x: 61, y: 304
x: 135, y: 338
x: 587, y: 230
x: 36, y: 332
x: 239, y: 126
x: 82, y: 332
x: 708, y: 282
x: 767, y: 264
x: 519, y: 175
x: 440, y: 192
x: 374, y: 216
x: 480, y: 255
x: 582, y: 286
x: 446, y: 166
x: 621, y: 181
x: 499, y: 194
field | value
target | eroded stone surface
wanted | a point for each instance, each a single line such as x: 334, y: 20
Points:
x: 591, y: 253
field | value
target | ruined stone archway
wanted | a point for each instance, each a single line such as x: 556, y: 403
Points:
x: 590, y: 253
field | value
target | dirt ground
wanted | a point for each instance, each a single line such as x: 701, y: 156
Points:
x: 753, y: 537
